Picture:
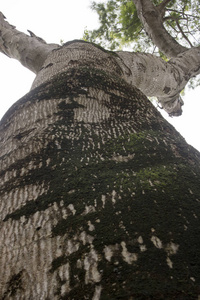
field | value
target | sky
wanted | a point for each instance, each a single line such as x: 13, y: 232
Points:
x: 66, y: 20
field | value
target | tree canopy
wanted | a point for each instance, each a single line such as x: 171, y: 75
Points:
x: 121, y: 27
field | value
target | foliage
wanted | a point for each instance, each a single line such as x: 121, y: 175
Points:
x: 120, y: 26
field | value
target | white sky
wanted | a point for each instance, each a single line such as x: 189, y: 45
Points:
x: 66, y: 20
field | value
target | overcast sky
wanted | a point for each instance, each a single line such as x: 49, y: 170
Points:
x: 66, y: 20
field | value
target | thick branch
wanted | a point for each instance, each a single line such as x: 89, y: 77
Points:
x: 161, y: 79
x: 162, y: 7
x: 31, y: 51
x: 163, y: 4
x: 153, y: 25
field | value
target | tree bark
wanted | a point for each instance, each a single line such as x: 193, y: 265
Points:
x: 169, y: 78
x: 151, y: 18
x: 154, y: 76
x: 31, y: 50
x: 100, y: 196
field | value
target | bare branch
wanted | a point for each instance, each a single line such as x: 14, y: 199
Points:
x: 183, y: 34
x: 31, y: 50
x: 185, y: 15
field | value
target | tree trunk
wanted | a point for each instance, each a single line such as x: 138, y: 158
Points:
x: 100, y: 196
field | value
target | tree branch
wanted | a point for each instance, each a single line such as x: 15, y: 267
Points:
x: 186, y: 15
x: 153, y: 25
x: 183, y: 34
x: 162, y: 6
x: 31, y: 51
x: 161, y: 79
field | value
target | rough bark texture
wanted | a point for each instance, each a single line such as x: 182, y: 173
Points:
x: 100, y: 196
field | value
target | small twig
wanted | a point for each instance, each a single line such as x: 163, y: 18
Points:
x: 173, y: 18
x: 183, y: 34
x: 183, y: 13
x: 173, y: 28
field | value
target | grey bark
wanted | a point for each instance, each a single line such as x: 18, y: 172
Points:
x: 99, y: 194
x: 151, y: 18
x: 31, y: 50
x: 169, y: 78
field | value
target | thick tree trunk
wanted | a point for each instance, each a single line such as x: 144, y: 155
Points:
x: 100, y: 196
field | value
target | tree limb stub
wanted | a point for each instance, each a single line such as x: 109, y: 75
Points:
x: 153, y: 25
x: 31, y: 51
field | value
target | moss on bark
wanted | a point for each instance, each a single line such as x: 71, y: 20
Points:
x: 132, y: 181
